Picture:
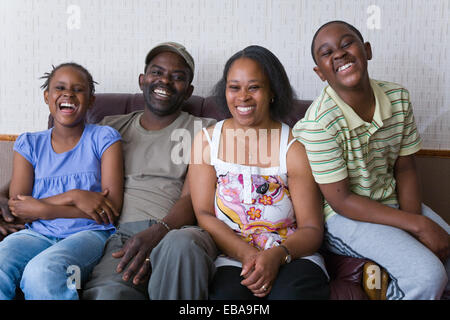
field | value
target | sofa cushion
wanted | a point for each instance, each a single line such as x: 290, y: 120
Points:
x: 346, y: 275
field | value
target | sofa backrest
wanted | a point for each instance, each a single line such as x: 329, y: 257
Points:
x: 430, y: 169
x: 122, y: 103
x: 6, y: 162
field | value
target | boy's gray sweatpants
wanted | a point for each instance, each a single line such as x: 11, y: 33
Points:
x: 182, y: 265
x: 415, y: 272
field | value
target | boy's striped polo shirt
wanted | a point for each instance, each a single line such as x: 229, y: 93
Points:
x: 339, y: 144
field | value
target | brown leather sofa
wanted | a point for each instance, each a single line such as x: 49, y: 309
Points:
x: 348, y: 275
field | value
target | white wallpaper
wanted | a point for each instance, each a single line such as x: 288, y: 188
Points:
x: 410, y: 42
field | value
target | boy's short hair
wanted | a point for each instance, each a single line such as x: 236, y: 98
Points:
x: 351, y: 27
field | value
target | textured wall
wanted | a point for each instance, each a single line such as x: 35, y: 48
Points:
x: 410, y: 41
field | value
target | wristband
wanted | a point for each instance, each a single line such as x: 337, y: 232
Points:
x: 164, y: 224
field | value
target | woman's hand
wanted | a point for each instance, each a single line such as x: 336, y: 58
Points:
x: 27, y: 208
x: 261, y: 270
x: 95, y: 205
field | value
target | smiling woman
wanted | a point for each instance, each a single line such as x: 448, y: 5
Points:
x: 258, y: 219
x: 281, y: 89
x: 248, y: 94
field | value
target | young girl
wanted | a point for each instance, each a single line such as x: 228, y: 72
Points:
x: 263, y: 214
x: 67, y: 183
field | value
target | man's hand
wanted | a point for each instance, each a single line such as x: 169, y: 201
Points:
x: 136, y: 251
x: 7, y: 228
x: 8, y: 223
x: 4, y: 209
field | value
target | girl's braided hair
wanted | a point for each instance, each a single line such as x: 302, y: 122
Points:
x: 49, y: 75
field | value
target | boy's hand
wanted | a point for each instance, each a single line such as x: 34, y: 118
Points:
x: 433, y: 237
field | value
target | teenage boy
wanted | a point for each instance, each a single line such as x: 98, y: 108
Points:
x: 360, y: 138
